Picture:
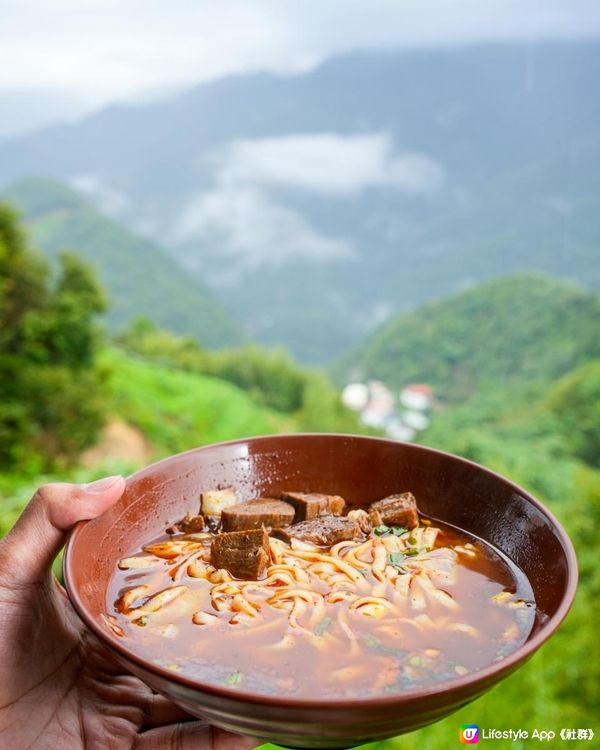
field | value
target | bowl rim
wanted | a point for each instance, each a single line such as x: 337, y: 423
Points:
x: 479, y: 677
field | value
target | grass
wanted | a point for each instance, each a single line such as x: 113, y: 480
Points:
x: 177, y: 410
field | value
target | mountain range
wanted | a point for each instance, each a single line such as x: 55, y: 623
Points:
x: 317, y: 205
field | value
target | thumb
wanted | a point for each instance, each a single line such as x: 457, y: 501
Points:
x: 28, y: 550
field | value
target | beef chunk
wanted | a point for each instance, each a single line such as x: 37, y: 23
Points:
x: 325, y: 531
x: 395, y: 510
x: 243, y: 553
x: 189, y: 524
x: 313, y: 504
x: 256, y: 513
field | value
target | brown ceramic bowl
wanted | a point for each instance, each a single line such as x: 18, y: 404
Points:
x: 360, y: 469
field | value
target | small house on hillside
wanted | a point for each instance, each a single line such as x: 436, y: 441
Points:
x: 416, y: 397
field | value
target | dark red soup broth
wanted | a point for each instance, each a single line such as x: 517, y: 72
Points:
x: 389, y: 611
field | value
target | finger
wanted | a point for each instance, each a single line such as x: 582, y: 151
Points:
x: 194, y: 735
x: 30, y: 547
x: 161, y: 711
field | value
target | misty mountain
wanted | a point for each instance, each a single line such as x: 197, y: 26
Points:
x: 319, y: 204
x: 28, y: 110
x: 140, y: 278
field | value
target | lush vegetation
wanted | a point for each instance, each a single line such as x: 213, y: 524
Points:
x: 139, y: 276
x: 177, y: 410
x: 51, y: 390
x: 524, y: 329
x: 270, y: 377
x: 575, y: 402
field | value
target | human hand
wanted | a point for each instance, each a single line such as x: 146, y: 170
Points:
x: 59, y: 686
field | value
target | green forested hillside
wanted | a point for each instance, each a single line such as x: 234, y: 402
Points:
x: 575, y: 403
x: 270, y: 377
x: 139, y: 277
x: 177, y: 410
x: 521, y: 329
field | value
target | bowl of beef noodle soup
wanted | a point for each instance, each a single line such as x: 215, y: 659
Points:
x: 321, y: 590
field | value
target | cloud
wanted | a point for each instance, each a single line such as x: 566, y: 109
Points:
x: 108, y: 200
x: 251, y: 230
x: 329, y: 163
x: 241, y: 216
x: 104, y: 50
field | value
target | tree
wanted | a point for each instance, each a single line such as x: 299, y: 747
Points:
x: 51, y: 391
x: 575, y: 400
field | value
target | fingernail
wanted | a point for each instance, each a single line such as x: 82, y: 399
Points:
x: 101, y: 485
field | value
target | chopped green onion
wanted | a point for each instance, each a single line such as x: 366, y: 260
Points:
x: 323, y: 625
x: 412, y: 539
x: 142, y: 621
x: 396, y: 559
x: 381, y: 530
x: 411, y: 551
x: 234, y: 678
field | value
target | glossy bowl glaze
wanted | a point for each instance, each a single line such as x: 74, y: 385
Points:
x: 360, y: 469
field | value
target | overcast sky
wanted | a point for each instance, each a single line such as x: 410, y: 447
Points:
x: 101, y: 50
x: 62, y: 58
